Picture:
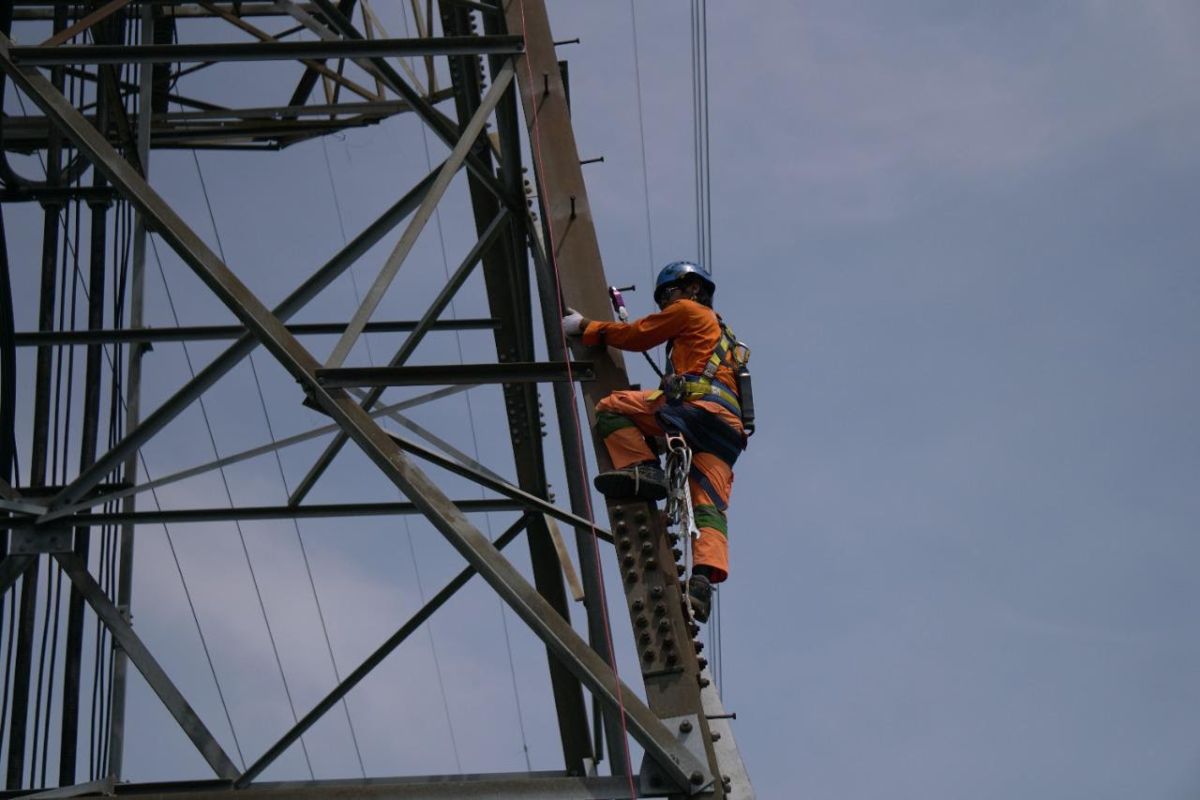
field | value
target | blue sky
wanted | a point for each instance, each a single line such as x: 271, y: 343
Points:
x: 962, y: 240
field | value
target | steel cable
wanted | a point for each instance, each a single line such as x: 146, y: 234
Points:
x: 287, y: 691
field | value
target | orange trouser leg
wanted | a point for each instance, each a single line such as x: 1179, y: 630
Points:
x: 625, y: 419
x: 712, y: 548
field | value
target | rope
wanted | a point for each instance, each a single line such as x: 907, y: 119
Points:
x: 536, y: 151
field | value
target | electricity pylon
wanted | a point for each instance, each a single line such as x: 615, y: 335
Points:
x: 129, y: 64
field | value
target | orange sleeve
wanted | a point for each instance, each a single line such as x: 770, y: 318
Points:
x: 642, y: 334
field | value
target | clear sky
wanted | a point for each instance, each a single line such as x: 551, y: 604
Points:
x: 962, y: 239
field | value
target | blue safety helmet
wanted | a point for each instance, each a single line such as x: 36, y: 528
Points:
x: 676, y: 271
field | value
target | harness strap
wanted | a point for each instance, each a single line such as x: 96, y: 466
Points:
x: 726, y: 343
x: 722, y: 503
x: 699, y: 387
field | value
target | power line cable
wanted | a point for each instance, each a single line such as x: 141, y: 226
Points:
x: 308, y: 570
x: 224, y: 478
x: 637, y: 72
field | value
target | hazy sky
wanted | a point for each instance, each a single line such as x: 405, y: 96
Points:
x: 962, y: 239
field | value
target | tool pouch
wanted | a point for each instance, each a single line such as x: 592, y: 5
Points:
x: 675, y: 388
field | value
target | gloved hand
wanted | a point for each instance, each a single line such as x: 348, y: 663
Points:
x: 573, y: 323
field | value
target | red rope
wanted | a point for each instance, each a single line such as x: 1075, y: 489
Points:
x: 536, y: 149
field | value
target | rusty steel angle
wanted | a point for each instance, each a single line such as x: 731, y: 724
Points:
x: 648, y: 730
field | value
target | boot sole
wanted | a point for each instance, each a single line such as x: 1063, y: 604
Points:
x: 619, y: 485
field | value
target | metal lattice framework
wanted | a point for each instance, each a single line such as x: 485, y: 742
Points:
x: 98, y: 138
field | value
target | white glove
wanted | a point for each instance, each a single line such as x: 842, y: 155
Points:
x: 573, y: 323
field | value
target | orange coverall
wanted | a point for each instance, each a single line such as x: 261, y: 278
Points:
x: 625, y: 418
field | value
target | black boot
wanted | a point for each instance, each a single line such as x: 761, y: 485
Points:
x: 700, y: 593
x: 646, y: 481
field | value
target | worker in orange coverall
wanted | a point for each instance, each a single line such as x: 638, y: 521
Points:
x: 699, y: 397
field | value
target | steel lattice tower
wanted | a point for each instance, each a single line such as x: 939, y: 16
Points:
x: 504, y: 115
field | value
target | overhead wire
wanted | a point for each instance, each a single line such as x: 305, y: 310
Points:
x: 225, y: 480
x: 637, y: 84
x: 407, y: 527
x: 703, y: 204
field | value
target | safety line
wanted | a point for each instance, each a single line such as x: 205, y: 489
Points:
x: 536, y: 150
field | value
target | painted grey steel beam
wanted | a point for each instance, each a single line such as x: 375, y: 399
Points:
x: 506, y: 279
x: 509, y: 786
x: 38, y: 56
x: 233, y: 458
x: 439, y: 304
x: 12, y: 567
x: 133, y: 415
x: 679, y: 765
x: 501, y: 487
x: 202, y: 333
x: 373, y: 660
x: 408, y: 239
x: 232, y: 356
x: 471, y: 374
x: 159, y: 682
x: 441, y: 126
x: 174, y: 516
x: 29, y: 10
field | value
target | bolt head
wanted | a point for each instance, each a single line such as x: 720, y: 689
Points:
x: 685, y: 726
x: 697, y: 778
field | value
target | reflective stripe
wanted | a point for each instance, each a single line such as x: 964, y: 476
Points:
x: 702, y: 388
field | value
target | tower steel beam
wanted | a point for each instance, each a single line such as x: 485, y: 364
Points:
x: 38, y: 56
x: 506, y: 278
x: 676, y: 761
x: 671, y: 670
x: 204, y: 333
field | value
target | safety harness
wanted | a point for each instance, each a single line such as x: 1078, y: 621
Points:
x: 703, y: 431
x: 705, y: 386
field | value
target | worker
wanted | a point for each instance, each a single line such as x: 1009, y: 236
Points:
x: 699, y: 398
